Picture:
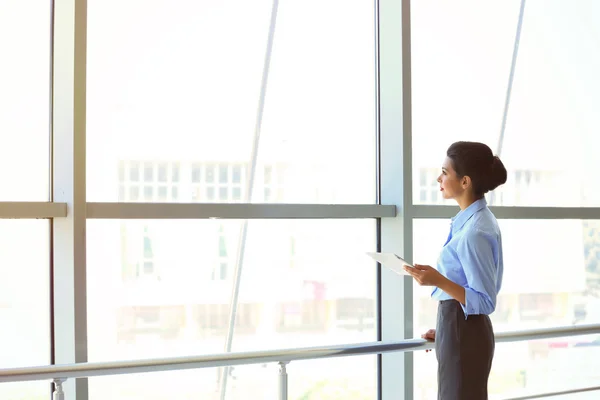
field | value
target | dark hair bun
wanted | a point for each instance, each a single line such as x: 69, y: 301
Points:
x: 477, y: 161
x: 498, y: 174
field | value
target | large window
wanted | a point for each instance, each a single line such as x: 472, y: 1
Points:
x: 550, y: 279
x: 538, y: 114
x: 178, y: 95
x: 25, y: 100
x: 25, y: 334
x: 24, y: 303
x: 461, y: 59
x: 165, y: 163
x: 313, y: 293
x: 180, y: 82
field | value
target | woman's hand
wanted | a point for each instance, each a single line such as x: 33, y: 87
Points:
x: 429, y: 335
x: 425, y: 275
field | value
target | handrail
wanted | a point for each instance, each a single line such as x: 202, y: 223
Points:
x: 81, y: 370
x: 553, y: 394
x: 89, y: 369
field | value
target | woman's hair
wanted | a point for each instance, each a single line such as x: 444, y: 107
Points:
x: 476, y: 160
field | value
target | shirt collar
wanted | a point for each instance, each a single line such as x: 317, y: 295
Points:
x: 459, y: 220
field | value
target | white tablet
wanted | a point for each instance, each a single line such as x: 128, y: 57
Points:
x: 391, y: 261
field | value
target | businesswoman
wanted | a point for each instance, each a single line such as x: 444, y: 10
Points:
x: 468, y: 275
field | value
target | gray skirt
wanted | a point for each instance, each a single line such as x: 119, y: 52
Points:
x: 464, y: 350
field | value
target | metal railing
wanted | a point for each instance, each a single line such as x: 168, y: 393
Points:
x: 60, y: 373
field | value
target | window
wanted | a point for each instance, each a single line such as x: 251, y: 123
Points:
x: 25, y: 100
x: 538, y: 290
x: 274, y: 180
x: 521, y: 186
x: 164, y: 102
x: 459, y: 89
x: 222, y: 268
x: 24, y: 302
x: 138, y: 260
x: 148, y: 259
x: 154, y: 101
x: 537, y: 306
x: 218, y: 182
x: 315, y: 303
x: 25, y: 72
x: 429, y: 188
x: 148, y: 181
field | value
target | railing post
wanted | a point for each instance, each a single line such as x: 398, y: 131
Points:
x: 283, y: 381
x: 58, y: 389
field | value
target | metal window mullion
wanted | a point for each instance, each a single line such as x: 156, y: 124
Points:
x: 243, y: 210
x: 69, y: 174
x: 395, y: 176
x: 506, y: 212
x: 26, y: 209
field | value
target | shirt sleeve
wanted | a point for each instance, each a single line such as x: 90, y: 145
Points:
x: 476, y: 254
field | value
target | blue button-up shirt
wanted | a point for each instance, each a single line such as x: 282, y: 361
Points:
x: 472, y: 258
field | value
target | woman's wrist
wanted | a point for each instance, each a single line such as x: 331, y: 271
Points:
x: 442, y: 282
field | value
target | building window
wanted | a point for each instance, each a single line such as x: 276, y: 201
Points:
x: 148, y: 258
x: 138, y: 252
x: 220, y: 272
x: 148, y: 181
x: 537, y: 306
x: 429, y: 188
x: 217, y: 182
x: 273, y: 183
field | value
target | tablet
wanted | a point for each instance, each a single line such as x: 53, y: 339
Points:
x: 391, y: 261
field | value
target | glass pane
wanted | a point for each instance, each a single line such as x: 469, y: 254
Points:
x: 25, y: 100
x: 162, y: 172
x: 237, y: 174
x: 148, y: 193
x: 223, y: 174
x: 223, y: 194
x: 210, y: 173
x: 459, y: 88
x: 134, y: 193
x: 268, y: 172
x: 162, y: 193
x: 196, y: 173
x: 236, y: 194
x: 352, y: 378
x: 134, y: 171
x: 148, y: 172
x: 175, y: 172
x: 25, y: 303
x: 528, y: 368
x: 210, y: 194
x: 164, y: 101
x: 551, y: 278
x: 180, y: 306
x: 184, y: 384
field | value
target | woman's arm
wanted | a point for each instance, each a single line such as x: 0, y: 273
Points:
x: 426, y: 275
x: 456, y: 291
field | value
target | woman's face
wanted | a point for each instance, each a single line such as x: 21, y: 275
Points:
x: 451, y: 185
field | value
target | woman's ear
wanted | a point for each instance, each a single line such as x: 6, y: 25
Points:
x: 466, y: 182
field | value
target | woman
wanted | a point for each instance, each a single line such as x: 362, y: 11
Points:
x: 468, y: 275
